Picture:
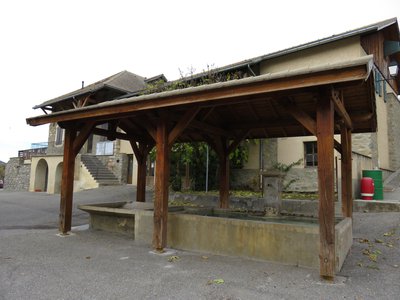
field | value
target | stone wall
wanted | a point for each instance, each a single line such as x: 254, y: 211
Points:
x: 393, y: 131
x: 245, y: 179
x: 17, y: 175
x: 118, y: 164
x: 362, y: 143
x: 301, y: 180
x: 52, y: 149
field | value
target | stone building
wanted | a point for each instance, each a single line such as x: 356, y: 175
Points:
x: 370, y: 150
x: 378, y: 150
x: 103, y: 160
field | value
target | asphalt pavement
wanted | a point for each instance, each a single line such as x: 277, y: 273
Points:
x: 36, y: 263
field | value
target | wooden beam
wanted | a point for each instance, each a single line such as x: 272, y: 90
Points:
x: 326, y: 212
x: 302, y: 117
x: 203, y: 126
x: 67, y: 181
x: 220, y: 146
x: 337, y: 99
x: 182, y: 124
x: 224, y: 179
x: 161, y: 187
x: 83, y: 136
x: 201, y: 95
x: 338, y: 146
x: 141, y: 152
x: 346, y: 164
x: 150, y: 130
x: 235, y: 143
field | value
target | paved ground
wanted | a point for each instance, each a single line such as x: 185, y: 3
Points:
x: 37, y: 264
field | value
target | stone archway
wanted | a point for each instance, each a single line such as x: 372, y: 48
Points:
x: 41, y: 176
x: 57, y: 182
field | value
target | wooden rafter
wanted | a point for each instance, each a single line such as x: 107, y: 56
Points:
x: 182, y: 124
x: 83, y: 136
x: 337, y: 99
x: 302, y: 117
x: 235, y: 143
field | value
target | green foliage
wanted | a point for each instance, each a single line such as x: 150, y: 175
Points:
x: 285, y: 169
x: 240, y: 155
x: 189, y: 79
x: 2, y: 171
x: 193, y: 156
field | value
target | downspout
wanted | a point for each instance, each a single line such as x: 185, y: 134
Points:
x: 251, y: 70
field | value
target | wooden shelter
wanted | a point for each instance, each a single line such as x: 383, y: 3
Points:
x: 322, y: 101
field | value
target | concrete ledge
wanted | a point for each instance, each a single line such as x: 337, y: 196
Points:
x: 376, y: 206
x: 288, y: 240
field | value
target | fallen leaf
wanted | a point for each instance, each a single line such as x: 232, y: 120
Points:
x: 373, y: 257
x: 378, y: 241
x: 173, y: 258
x: 372, y: 267
x: 204, y: 257
x: 390, y: 233
x: 366, y: 252
x: 364, y: 241
x: 360, y: 264
x: 389, y: 245
x: 218, y: 281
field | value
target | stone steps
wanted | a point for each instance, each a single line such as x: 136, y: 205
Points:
x: 99, y: 171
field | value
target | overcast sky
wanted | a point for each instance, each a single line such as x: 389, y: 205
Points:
x: 48, y: 48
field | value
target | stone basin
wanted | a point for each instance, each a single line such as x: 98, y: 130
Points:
x: 288, y: 240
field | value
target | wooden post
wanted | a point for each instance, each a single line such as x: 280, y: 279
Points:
x: 161, y: 187
x: 141, y: 154
x: 224, y: 176
x: 326, y: 212
x: 346, y: 164
x: 67, y: 183
x: 141, y: 180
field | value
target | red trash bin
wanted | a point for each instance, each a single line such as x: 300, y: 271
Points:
x: 367, y: 188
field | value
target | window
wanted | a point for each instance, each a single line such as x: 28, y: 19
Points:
x: 105, y: 148
x: 310, y: 154
x: 105, y: 127
x: 59, y: 135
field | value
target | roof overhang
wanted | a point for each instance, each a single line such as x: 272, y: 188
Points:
x: 351, y: 76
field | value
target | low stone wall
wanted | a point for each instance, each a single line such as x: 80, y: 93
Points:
x: 17, y: 175
x: 245, y: 179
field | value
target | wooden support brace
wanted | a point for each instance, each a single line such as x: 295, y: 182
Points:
x: 237, y: 141
x: 326, y: 212
x: 338, y: 146
x: 182, y: 124
x: 83, y: 136
x: 337, y: 99
x: 302, y: 117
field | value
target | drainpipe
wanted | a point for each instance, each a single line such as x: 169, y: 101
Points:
x: 251, y: 70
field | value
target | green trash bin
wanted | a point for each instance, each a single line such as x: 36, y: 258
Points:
x: 376, y: 175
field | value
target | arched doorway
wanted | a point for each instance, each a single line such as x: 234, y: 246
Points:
x: 41, y: 176
x: 57, y: 183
